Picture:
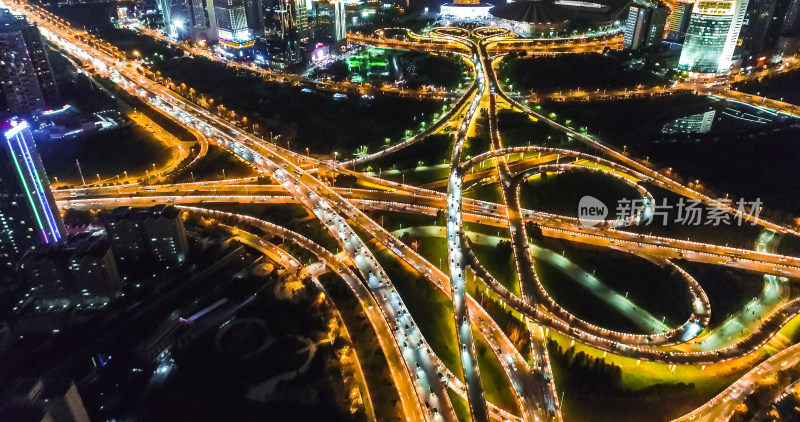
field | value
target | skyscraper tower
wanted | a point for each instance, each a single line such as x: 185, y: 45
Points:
x: 711, y: 38
x: 288, y: 30
x: 28, y: 213
x: 234, y: 30
x: 301, y: 19
x: 186, y: 19
x: 175, y: 16
x: 645, y: 25
x: 679, y: 21
x: 27, y: 79
x: 739, y: 13
x: 200, y: 23
x: 255, y: 17
x: 340, y: 21
x: 789, y: 40
x: 213, y: 31
x: 762, y: 28
x: 791, y: 23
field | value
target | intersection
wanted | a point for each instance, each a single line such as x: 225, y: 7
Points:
x: 420, y: 376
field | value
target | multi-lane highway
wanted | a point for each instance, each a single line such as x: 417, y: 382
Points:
x: 419, y: 375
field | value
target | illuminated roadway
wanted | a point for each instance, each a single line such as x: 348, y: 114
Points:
x: 427, y: 386
x: 256, y: 152
x: 425, y: 391
x: 519, y: 242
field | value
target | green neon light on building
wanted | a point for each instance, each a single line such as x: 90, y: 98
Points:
x: 27, y: 192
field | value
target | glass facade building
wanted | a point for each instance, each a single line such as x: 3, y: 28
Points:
x: 232, y: 21
x: 28, y: 213
x: 645, y: 25
x: 705, y: 48
x: 679, y: 21
x: 26, y: 78
x: 340, y: 21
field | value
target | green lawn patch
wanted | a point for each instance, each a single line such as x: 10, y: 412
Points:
x: 496, y: 385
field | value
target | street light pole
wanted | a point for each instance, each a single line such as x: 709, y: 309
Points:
x: 77, y: 163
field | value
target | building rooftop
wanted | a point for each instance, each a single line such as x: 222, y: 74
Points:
x: 78, y: 245
x: 533, y: 11
x: 9, y: 20
x: 140, y: 214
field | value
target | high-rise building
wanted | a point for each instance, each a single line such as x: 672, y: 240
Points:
x: 125, y: 235
x: 164, y: 234
x: 174, y: 15
x: 712, y: 37
x: 791, y: 23
x: 301, y: 19
x: 288, y: 32
x: 186, y: 19
x: 213, y: 31
x: 201, y: 28
x: 235, y: 33
x: 789, y: 40
x: 80, y: 271
x: 27, y: 79
x: 340, y: 21
x: 46, y: 274
x: 679, y: 21
x: 761, y: 29
x: 733, y: 40
x: 645, y: 25
x: 255, y: 17
x: 158, y: 230
x: 28, y: 213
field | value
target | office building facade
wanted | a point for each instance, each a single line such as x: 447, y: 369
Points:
x: 679, y: 21
x: 281, y: 28
x: 645, y: 25
x: 762, y: 27
x: 157, y: 231
x: 27, y: 79
x: 28, y: 213
x: 712, y: 37
x: 791, y: 22
x: 186, y: 20
x: 236, y: 34
x: 340, y: 21
x: 79, y: 272
x: 789, y: 39
x: 761, y: 30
